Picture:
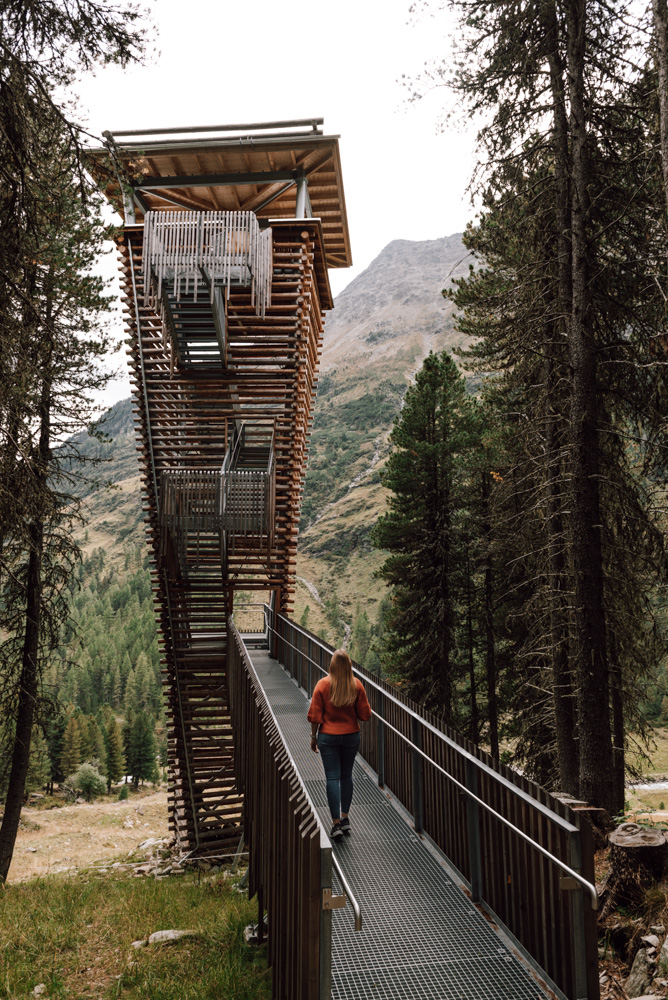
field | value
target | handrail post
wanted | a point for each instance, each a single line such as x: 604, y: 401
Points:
x: 578, y: 918
x: 325, y: 926
x: 473, y: 823
x: 291, y: 648
x: 309, y: 689
x: 380, y: 741
x: 416, y: 737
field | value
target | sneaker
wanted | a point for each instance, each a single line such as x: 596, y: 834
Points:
x: 335, y: 832
x: 345, y: 824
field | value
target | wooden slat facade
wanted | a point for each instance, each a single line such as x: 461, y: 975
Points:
x: 186, y: 418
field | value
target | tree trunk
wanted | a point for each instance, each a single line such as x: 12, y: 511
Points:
x: 562, y: 689
x: 637, y: 861
x: 557, y: 335
x: 597, y: 780
x: 490, y: 658
x: 617, y: 705
x: 472, y: 683
x: 445, y: 597
x: 660, y: 16
x: 26, y: 704
x: 29, y: 676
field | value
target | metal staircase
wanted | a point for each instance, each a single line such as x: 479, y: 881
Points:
x: 196, y: 322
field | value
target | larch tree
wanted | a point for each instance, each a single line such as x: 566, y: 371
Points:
x: 115, y: 756
x: 70, y: 753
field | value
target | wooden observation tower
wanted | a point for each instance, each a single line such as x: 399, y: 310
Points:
x: 229, y: 233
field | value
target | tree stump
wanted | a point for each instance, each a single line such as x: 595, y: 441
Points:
x: 638, y: 857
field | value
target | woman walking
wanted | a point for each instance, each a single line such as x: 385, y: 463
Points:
x: 338, y: 702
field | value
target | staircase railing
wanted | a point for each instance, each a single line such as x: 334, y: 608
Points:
x: 232, y: 503
x: 247, y: 497
x: 189, y: 510
x: 229, y: 246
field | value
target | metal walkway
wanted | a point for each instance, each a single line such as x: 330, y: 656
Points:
x: 423, y: 939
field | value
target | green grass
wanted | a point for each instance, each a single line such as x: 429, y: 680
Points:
x: 74, y: 935
x: 657, y: 752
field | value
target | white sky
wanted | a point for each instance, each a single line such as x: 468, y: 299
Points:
x: 255, y: 60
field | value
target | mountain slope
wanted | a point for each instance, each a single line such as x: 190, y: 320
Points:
x: 383, y: 326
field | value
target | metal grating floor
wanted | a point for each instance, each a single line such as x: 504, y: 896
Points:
x: 422, y: 939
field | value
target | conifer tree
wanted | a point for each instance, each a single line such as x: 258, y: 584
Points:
x: 70, y: 756
x: 115, y: 755
x: 426, y: 476
x: 144, y: 749
x: 567, y: 308
x: 97, y: 750
x: 127, y: 735
x: 132, y: 693
x: 360, y: 639
x: 55, y: 732
x: 50, y: 340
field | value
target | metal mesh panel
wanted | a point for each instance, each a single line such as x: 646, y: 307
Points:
x: 422, y: 936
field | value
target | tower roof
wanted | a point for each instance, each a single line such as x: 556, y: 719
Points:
x: 252, y: 168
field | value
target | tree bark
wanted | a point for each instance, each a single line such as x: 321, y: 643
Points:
x: 617, y: 706
x: 26, y: 705
x: 563, y: 696
x: 597, y: 780
x: 660, y: 17
x: 472, y: 681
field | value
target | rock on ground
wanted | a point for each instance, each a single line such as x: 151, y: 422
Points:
x: 168, y: 937
x: 640, y: 976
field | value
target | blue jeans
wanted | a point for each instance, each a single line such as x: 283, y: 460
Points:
x: 338, y: 753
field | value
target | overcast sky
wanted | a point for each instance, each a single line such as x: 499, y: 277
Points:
x: 253, y: 61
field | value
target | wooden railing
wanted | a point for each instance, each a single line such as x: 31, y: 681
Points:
x: 290, y: 855
x: 245, y: 505
x: 525, y: 855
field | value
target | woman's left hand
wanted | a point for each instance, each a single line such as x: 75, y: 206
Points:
x: 314, y: 745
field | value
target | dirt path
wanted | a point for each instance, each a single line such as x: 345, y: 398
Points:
x: 56, y: 840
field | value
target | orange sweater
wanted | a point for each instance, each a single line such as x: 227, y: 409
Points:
x: 338, y: 720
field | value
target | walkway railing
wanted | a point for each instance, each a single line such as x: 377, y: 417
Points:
x: 525, y: 855
x: 290, y: 855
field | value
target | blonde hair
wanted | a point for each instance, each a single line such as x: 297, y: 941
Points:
x: 342, y: 684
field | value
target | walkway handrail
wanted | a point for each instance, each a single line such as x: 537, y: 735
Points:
x: 516, y: 851
x: 285, y: 836
x: 349, y: 893
x: 589, y: 886
x: 369, y: 681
